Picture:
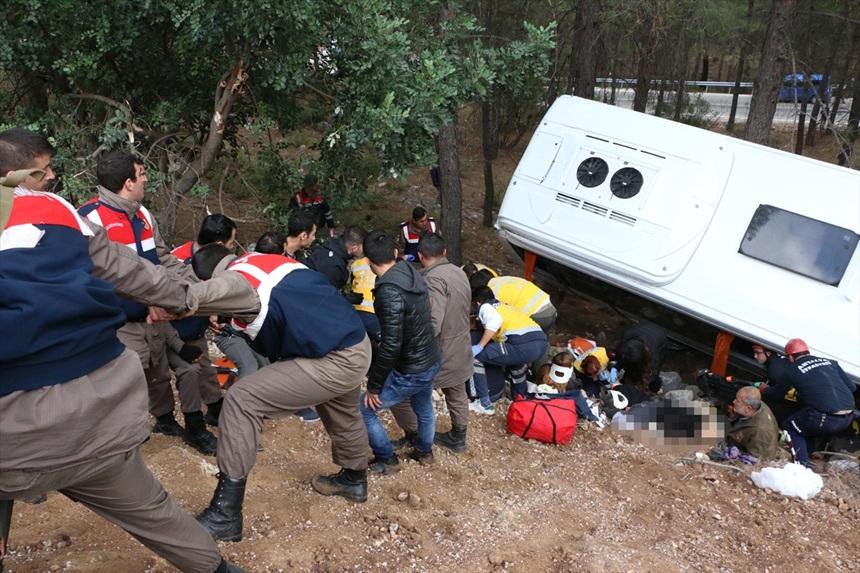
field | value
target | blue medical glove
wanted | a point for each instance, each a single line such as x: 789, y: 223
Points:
x: 476, y: 349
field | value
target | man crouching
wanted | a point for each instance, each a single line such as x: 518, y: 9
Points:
x: 319, y: 353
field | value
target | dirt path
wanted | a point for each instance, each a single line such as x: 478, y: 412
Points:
x: 599, y: 504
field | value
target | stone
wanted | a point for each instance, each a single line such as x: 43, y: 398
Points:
x: 671, y: 381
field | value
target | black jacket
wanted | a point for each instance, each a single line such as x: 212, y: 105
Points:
x: 655, y: 339
x: 332, y: 260
x: 408, y: 345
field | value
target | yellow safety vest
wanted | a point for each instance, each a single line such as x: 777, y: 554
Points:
x: 514, y: 321
x: 363, y: 281
x: 519, y: 293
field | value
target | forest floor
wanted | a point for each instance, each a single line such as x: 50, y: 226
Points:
x: 602, y: 503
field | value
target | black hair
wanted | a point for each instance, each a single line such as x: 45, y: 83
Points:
x: 431, y: 245
x: 206, y: 258
x: 270, y: 243
x: 480, y: 279
x: 470, y: 269
x: 418, y: 212
x: 300, y: 222
x: 638, y: 363
x: 354, y: 235
x: 310, y: 180
x: 19, y: 148
x: 483, y: 294
x: 215, y: 228
x: 115, y: 168
x: 379, y: 247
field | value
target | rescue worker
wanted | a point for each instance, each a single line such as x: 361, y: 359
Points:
x: 519, y: 293
x: 319, y: 354
x: 309, y: 198
x: 119, y: 210
x: 72, y: 397
x: 411, y: 229
x: 825, y: 391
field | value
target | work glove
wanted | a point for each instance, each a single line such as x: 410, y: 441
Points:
x: 190, y: 354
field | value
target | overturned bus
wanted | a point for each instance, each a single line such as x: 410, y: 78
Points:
x: 723, y: 242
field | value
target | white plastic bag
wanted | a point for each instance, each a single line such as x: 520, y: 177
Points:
x: 793, y: 480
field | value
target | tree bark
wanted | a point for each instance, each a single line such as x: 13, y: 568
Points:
x: 490, y: 147
x: 226, y: 92
x: 771, y: 67
x: 742, y: 59
x: 587, y: 24
x: 452, y: 190
x: 845, y: 157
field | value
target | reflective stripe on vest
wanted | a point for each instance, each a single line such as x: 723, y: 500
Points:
x: 32, y: 208
x: 409, y: 236
x: 363, y: 281
x: 120, y: 229
x: 519, y: 293
x: 263, y: 272
x: 514, y: 321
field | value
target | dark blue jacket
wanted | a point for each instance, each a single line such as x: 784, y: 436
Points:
x: 58, y: 320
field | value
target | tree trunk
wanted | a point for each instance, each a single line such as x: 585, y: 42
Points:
x: 706, y: 61
x: 643, y: 77
x: 587, y: 23
x: 845, y: 157
x: 658, y: 108
x: 771, y: 68
x: 490, y: 147
x: 801, y: 118
x: 226, y: 92
x: 742, y: 59
x: 452, y: 191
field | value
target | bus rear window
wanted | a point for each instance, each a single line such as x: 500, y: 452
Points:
x: 806, y: 246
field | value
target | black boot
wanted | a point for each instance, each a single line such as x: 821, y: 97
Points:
x: 405, y: 441
x: 213, y: 412
x: 197, y: 436
x: 223, y: 518
x: 455, y: 440
x: 166, y: 424
x: 351, y: 484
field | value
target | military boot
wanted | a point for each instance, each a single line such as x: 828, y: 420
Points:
x: 166, y: 424
x: 197, y: 436
x: 351, y: 484
x: 223, y: 518
x: 213, y: 412
x: 455, y: 440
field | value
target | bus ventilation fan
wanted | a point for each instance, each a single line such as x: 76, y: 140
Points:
x: 626, y: 183
x: 592, y: 172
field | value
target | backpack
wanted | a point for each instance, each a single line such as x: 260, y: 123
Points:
x: 551, y: 421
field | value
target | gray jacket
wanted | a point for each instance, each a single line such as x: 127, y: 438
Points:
x: 450, y: 302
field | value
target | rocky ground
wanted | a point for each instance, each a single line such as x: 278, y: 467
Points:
x: 602, y: 503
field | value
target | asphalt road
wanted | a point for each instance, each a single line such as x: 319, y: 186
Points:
x: 786, y: 113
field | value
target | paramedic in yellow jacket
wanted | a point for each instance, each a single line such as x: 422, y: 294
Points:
x: 363, y: 281
x: 521, y: 294
x: 511, y: 338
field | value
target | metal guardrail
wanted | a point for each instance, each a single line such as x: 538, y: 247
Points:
x: 706, y: 86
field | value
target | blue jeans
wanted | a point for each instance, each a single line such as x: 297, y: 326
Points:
x: 418, y: 388
x: 516, y: 357
x: 809, y: 426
